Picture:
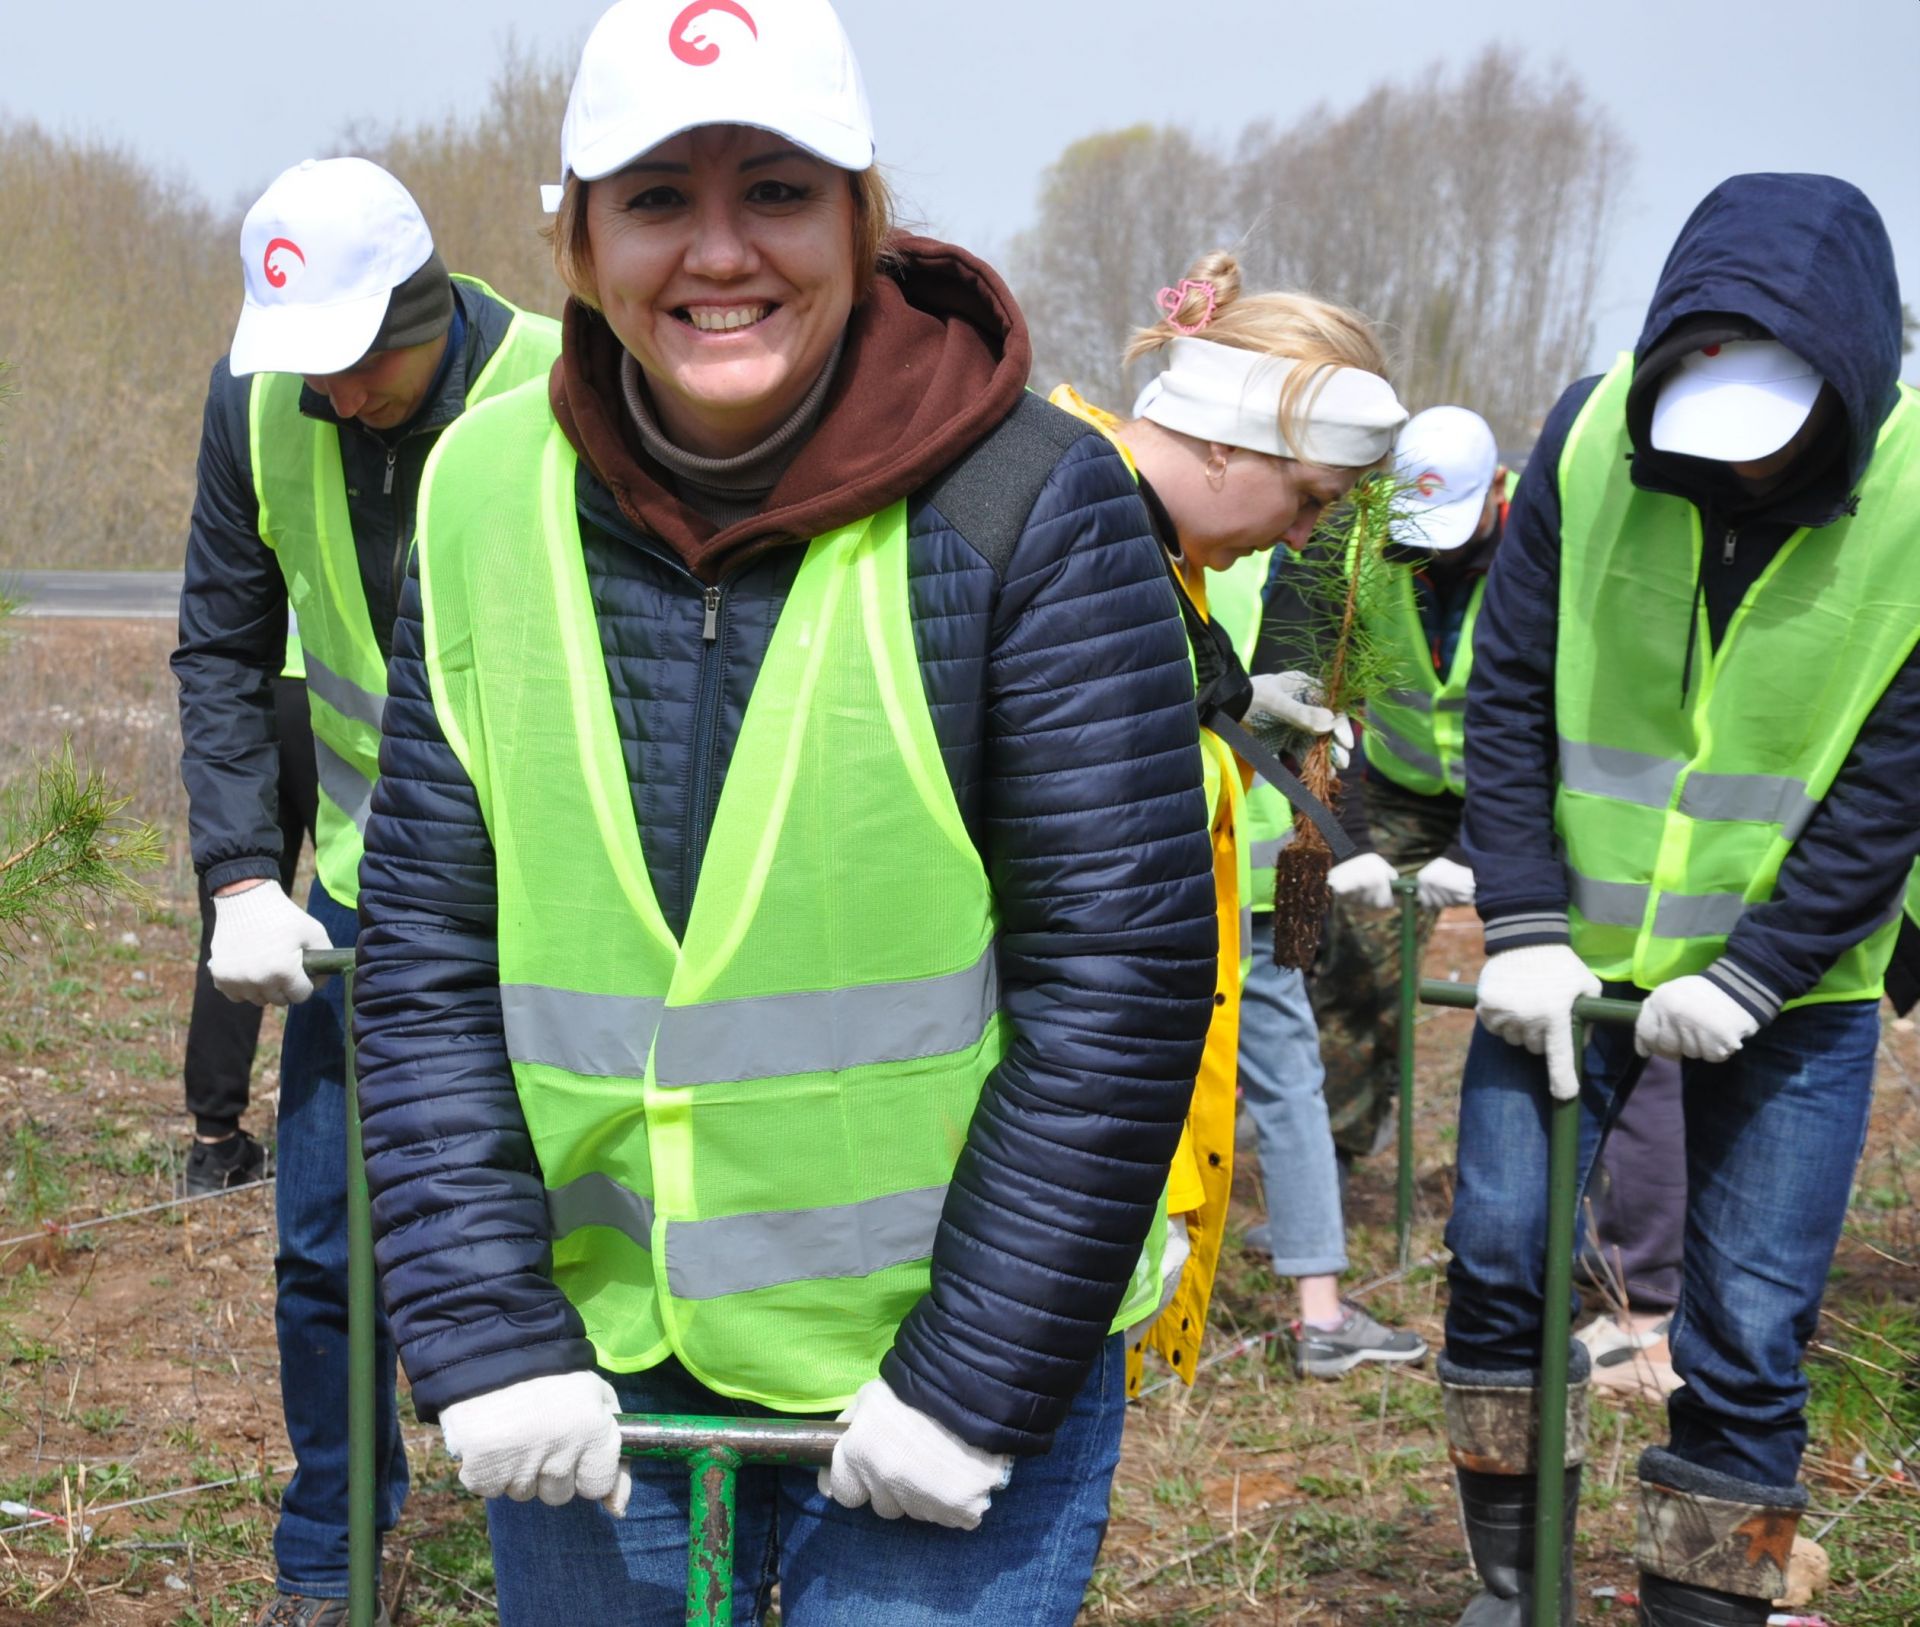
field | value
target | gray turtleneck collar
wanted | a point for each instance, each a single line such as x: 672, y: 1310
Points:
x: 727, y: 490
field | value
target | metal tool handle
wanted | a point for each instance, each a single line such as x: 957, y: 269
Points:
x: 327, y: 962
x: 1407, y: 890
x: 1556, y: 1331
x: 751, y: 1440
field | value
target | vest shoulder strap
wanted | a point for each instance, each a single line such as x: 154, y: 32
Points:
x: 988, y: 495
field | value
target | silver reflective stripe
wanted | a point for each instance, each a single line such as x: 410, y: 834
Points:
x: 1246, y: 929
x: 1450, y: 703
x: 1768, y: 799
x: 1608, y: 903
x: 343, y: 695
x: 1266, y: 854
x: 1415, y: 700
x: 606, y: 1036
x: 1409, y: 754
x: 736, y: 1254
x: 1626, y: 776
x: 827, y: 1031
x: 346, y: 787
x: 600, y: 1200
x: 1697, y: 915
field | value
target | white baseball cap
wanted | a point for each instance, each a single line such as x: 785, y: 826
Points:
x: 652, y: 69
x: 1446, y: 459
x: 323, y: 249
x: 1736, y: 401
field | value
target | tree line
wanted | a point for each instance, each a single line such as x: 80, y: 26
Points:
x: 1467, y: 213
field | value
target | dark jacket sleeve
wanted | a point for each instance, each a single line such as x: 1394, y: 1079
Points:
x: 1512, y: 747
x: 459, y: 1209
x: 233, y: 638
x: 1847, y: 874
x: 1096, y: 844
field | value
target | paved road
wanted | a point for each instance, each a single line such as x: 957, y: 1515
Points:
x: 146, y: 595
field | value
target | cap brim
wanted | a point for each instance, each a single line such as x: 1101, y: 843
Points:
x: 309, y: 339
x: 832, y: 142
x: 1730, y: 420
x: 1444, y: 526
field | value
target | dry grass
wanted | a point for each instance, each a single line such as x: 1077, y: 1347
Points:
x: 142, y: 1355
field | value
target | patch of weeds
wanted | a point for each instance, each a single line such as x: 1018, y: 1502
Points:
x: 100, y: 1420
x: 35, y: 1180
x: 1864, y: 1373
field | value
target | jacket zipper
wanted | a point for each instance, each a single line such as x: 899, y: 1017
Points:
x: 706, y: 728
x: 1728, y: 544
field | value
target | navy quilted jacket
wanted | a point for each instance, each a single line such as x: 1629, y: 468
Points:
x: 1057, y: 673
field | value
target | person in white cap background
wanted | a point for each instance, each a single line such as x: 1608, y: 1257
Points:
x: 1324, y: 1062
x: 1693, y: 769
x: 354, y: 351
x: 789, y: 926
x: 1270, y: 407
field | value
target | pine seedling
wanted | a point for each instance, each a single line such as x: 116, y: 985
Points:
x: 65, y: 842
x: 1340, y: 576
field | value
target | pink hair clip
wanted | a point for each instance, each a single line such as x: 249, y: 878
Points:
x: 1171, y: 299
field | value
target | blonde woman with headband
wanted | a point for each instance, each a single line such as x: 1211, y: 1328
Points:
x: 1270, y: 407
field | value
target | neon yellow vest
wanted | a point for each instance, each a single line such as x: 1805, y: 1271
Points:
x: 1235, y: 599
x: 305, y: 519
x: 1675, y: 817
x: 747, y: 1136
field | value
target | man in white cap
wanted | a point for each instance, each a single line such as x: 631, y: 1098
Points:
x: 1693, y: 753
x: 355, y: 349
x: 1402, y: 800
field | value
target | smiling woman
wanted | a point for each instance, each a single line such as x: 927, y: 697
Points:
x: 789, y: 928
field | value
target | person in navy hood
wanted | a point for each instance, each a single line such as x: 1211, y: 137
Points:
x: 1693, y: 759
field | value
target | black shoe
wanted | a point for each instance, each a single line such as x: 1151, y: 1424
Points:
x: 214, y: 1166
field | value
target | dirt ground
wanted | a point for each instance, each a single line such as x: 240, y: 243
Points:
x: 137, y: 1359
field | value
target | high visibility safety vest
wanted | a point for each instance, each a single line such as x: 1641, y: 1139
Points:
x: 306, y: 521
x: 1416, y: 731
x: 747, y: 1135
x: 1675, y: 816
x: 1236, y: 598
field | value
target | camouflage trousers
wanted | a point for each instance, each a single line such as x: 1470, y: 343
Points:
x: 1355, y: 985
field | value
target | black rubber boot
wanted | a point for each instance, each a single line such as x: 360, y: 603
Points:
x: 1498, y: 1511
x: 1665, y: 1603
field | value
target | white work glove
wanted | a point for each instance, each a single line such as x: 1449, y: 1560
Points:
x: 552, y: 1437
x: 259, y: 936
x: 1526, y: 998
x: 903, y: 1462
x: 1365, y: 879
x: 1292, y: 700
x: 1173, y: 1260
x: 1444, y: 883
x: 1692, y: 1017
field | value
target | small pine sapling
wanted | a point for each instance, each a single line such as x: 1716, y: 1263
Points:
x: 1341, y: 574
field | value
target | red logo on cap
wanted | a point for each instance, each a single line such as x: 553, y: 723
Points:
x: 1711, y: 350
x: 695, y: 49
x: 1429, y: 482
x: 276, y: 275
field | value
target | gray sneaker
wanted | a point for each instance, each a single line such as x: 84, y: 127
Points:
x: 296, y: 1610
x: 1324, y: 1353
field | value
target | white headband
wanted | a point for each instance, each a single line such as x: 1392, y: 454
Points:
x: 1217, y: 392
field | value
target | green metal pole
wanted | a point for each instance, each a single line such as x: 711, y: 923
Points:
x: 362, y: 1568
x: 710, y: 1539
x: 1556, y: 1332
x: 714, y: 1449
x: 1409, y: 892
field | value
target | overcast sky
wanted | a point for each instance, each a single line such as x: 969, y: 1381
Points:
x: 973, y: 101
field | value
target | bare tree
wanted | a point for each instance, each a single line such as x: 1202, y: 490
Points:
x: 1466, y: 214
x: 1121, y: 216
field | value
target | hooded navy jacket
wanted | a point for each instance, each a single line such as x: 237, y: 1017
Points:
x: 1803, y: 259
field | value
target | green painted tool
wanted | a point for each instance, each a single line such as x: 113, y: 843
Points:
x: 1556, y: 1332
x: 714, y: 1450
x: 1408, y: 892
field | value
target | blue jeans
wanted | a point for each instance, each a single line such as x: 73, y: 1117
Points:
x: 1773, y: 1135
x: 310, y: 1303
x: 1029, y: 1561
x: 1280, y: 1083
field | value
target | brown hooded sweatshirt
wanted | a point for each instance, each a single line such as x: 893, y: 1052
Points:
x: 936, y: 355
